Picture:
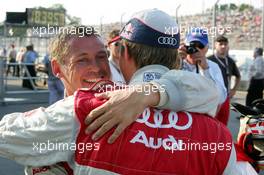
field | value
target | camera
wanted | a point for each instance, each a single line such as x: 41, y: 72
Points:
x: 192, y: 47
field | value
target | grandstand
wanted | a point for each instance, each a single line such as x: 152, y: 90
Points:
x: 244, y: 22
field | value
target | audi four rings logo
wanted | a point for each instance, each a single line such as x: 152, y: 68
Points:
x: 158, y: 120
x: 167, y: 40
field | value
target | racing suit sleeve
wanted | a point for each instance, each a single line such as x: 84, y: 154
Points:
x: 188, y: 91
x: 41, y: 136
x: 214, y: 73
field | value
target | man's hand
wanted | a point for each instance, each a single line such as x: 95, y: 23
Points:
x: 122, y: 108
x: 201, y: 59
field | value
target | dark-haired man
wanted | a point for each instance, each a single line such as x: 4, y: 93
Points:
x: 228, y: 68
x: 226, y: 64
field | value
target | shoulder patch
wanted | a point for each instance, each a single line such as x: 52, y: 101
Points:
x: 149, y: 76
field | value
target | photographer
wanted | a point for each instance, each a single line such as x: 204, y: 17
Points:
x: 196, y: 47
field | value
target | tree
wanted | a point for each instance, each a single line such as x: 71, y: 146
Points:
x: 73, y: 20
x: 70, y: 20
x: 223, y: 7
x: 243, y: 7
x: 58, y: 7
x: 232, y: 6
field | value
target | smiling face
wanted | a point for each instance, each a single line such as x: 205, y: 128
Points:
x: 85, y: 63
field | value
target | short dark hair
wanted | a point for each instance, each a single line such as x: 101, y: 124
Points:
x: 259, y: 51
x: 221, y: 38
x: 30, y: 47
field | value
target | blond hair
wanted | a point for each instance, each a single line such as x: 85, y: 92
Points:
x: 59, y: 46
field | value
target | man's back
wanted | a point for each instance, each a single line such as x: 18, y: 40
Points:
x: 30, y: 57
x: 159, y: 142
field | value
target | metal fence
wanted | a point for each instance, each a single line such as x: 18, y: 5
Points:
x: 6, y: 91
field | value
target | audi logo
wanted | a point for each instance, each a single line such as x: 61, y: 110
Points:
x: 158, y: 120
x: 167, y: 40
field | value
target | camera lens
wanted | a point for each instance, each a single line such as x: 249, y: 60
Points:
x: 191, y: 50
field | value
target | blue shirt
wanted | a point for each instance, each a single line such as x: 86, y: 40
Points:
x: 31, y: 57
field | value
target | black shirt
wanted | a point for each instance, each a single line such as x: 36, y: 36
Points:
x: 228, y: 68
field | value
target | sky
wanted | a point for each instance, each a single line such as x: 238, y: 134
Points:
x: 91, y: 12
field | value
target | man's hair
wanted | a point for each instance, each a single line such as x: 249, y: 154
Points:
x: 221, y: 38
x: 144, y: 55
x: 259, y: 51
x: 114, y: 33
x: 59, y: 46
x: 30, y: 47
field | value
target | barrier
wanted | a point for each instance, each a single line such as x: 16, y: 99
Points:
x: 5, y: 92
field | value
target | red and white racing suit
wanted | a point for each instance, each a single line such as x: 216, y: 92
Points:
x: 162, y: 138
x: 181, y: 87
x: 63, y: 111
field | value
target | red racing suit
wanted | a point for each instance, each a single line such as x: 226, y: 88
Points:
x: 159, y: 142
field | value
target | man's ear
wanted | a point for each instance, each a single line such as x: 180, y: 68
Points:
x: 56, y: 68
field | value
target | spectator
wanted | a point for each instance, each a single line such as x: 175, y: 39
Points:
x: 19, y: 59
x: 196, y: 46
x: 228, y: 68
x: 226, y: 64
x: 30, y: 72
x: 12, y: 60
x: 256, y: 85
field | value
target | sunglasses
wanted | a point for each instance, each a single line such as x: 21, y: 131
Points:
x: 115, y: 43
x: 197, y: 44
x: 192, y: 48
